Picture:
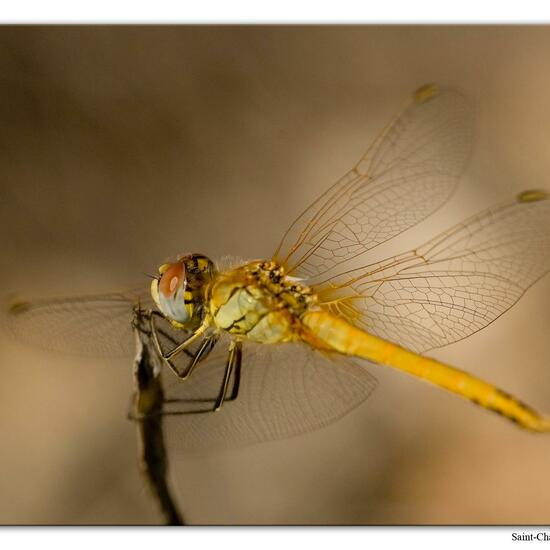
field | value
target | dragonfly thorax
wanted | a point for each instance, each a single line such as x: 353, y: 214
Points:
x: 258, y: 301
x: 179, y: 291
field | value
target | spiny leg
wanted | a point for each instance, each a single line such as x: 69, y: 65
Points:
x: 167, y: 357
x: 237, y: 377
x: 180, y: 347
x: 233, y: 364
x: 234, y: 360
x: 204, y: 350
x: 202, y: 353
x: 168, y: 337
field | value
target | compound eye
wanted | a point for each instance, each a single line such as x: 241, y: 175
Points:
x: 173, y: 278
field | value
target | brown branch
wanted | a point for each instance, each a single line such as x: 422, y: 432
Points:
x: 148, y: 402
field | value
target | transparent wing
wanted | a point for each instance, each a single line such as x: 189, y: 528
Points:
x: 456, y: 283
x: 96, y: 325
x: 285, y: 390
x: 409, y: 171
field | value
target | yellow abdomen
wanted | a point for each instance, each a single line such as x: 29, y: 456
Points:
x: 326, y: 331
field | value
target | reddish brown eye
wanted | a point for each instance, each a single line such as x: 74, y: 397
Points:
x: 172, y: 279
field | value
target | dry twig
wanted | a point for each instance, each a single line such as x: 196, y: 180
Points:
x: 148, y: 402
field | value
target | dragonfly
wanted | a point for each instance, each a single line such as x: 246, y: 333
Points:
x: 284, y: 345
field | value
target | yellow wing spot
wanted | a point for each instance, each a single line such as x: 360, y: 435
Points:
x: 17, y: 308
x: 532, y: 195
x: 425, y: 93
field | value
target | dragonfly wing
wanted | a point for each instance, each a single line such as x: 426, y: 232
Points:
x: 407, y: 173
x: 95, y: 325
x: 285, y: 390
x: 455, y: 284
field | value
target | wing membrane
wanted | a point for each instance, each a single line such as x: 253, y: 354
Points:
x: 455, y: 284
x: 95, y: 325
x: 285, y: 390
x: 408, y: 172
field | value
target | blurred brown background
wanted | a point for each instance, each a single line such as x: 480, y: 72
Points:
x: 124, y: 146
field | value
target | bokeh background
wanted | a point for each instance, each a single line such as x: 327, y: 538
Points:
x: 124, y: 146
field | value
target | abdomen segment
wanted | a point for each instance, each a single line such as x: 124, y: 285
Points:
x: 332, y: 333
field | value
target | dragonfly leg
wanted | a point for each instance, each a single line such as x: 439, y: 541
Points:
x: 201, y: 353
x: 237, y: 376
x: 234, y: 360
x: 233, y: 365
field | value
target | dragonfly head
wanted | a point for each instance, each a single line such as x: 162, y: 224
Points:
x: 179, y: 290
